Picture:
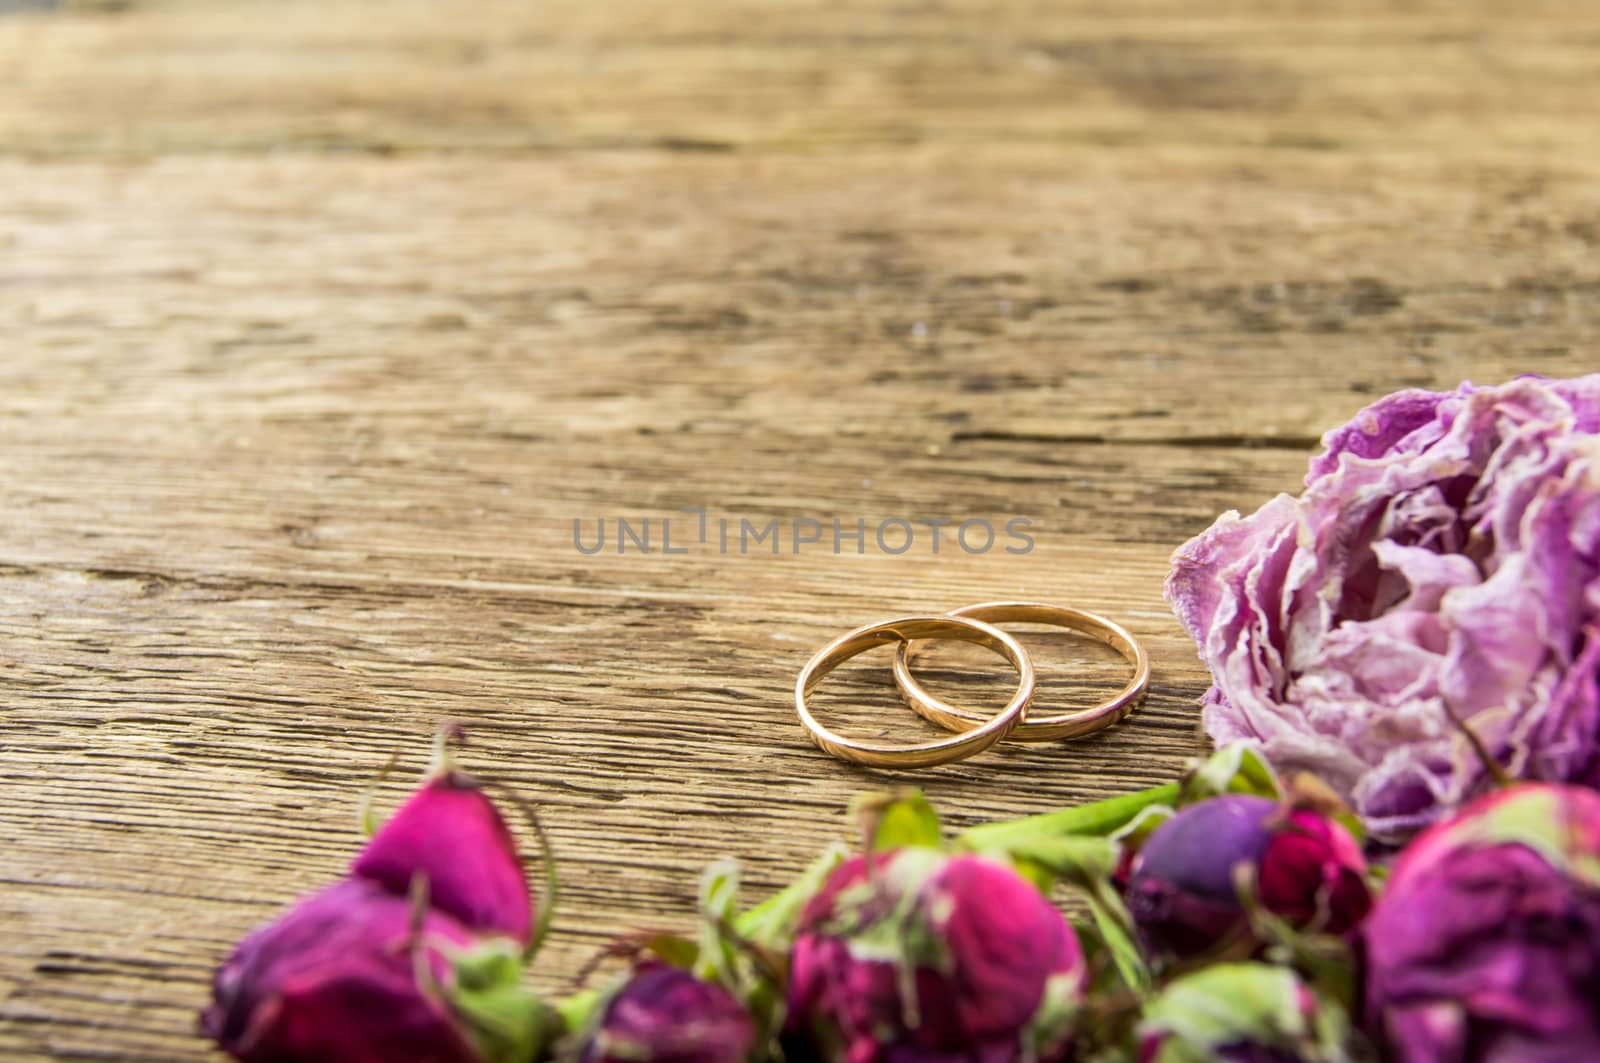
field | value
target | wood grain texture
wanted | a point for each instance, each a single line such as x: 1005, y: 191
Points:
x: 322, y: 322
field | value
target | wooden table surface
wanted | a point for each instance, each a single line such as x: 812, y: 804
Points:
x: 323, y: 321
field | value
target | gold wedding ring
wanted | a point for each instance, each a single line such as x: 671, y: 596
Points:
x: 1074, y: 724
x: 976, y: 734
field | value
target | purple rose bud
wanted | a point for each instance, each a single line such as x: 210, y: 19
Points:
x: 911, y: 954
x: 1442, y: 564
x: 336, y: 981
x: 664, y: 1014
x: 1183, y: 893
x: 451, y: 833
x: 1313, y: 874
x: 1485, y: 944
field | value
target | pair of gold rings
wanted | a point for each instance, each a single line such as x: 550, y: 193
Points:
x: 974, y: 732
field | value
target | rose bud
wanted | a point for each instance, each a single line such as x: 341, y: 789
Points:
x: 415, y: 956
x: 909, y: 954
x: 1485, y: 944
x: 336, y: 981
x: 1241, y: 1013
x: 1184, y: 894
x: 664, y: 1014
x: 451, y: 834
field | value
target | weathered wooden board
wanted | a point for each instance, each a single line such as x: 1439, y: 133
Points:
x: 322, y: 323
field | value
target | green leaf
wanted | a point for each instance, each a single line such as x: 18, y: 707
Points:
x: 1076, y: 858
x: 1116, y: 932
x: 487, y: 965
x: 1235, y: 768
x: 771, y: 922
x: 1100, y: 818
x: 507, y: 1022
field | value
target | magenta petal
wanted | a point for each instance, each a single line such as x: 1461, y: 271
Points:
x: 333, y: 981
x: 1004, y: 941
x: 995, y: 970
x: 450, y: 833
x: 664, y: 1014
x: 1485, y: 944
x: 1384, y: 426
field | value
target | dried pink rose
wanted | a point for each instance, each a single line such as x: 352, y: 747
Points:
x: 335, y: 981
x: 916, y: 955
x: 451, y: 834
x: 664, y: 1014
x: 1485, y: 944
x: 1444, y: 559
x: 415, y: 955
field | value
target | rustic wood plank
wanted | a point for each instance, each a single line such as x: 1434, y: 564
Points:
x: 997, y: 295
x: 1435, y: 75
x: 292, y: 440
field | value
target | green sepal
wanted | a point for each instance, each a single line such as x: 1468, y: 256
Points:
x: 1308, y: 791
x: 1133, y: 836
x: 898, y: 819
x: 550, y: 898
x: 674, y: 949
x: 765, y: 1002
x: 1055, y: 1018
x: 1353, y: 825
x: 902, y: 931
x: 718, y: 955
x: 1104, y: 979
x: 1116, y: 931
x: 1233, y: 1003
x: 1533, y: 815
x: 506, y: 1021
x: 1236, y: 768
x: 751, y: 949
x: 577, y: 1013
x: 1326, y: 961
x: 1042, y: 877
x: 366, y: 815
x: 1086, y: 863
